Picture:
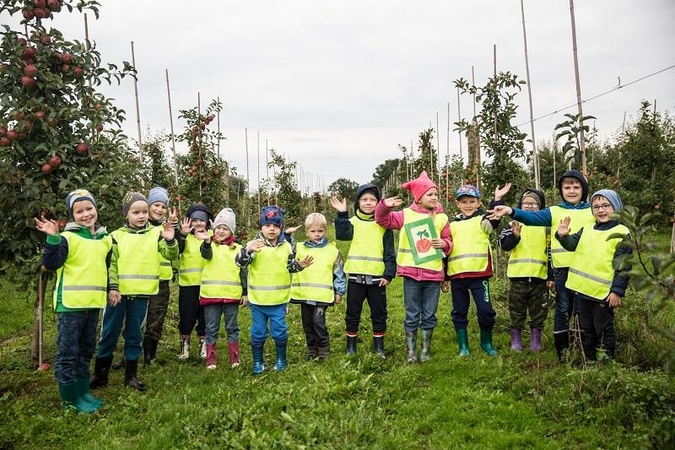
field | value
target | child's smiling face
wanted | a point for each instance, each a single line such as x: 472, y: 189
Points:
x: 221, y: 233
x: 158, y: 211
x: 198, y: 225
x: 468, y: 205
x: 85, y: 214
x: 138, y: 214
x: 367, y: 203
x: 602, y: 209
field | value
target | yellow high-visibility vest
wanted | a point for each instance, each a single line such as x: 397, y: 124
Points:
x: 470, y: 247
x: 592, y: 270
x: 191, y: 262
x: 561, y: 258
x: 220, y: 277
x: 137, y: 262
x: 269, y: 282
x: 365, y: 255
x: 315, y: 282
x: 83, y: 279
x: 404, y: 257
x: 529, y: 258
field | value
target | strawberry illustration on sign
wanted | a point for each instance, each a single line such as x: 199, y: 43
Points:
x: 423, y: 244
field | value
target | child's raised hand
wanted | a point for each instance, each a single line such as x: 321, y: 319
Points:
x: 168, y: 231
x: 498, y: 212
x: 255, y: 245
x: 291, y: 230
x: 185, y: 226
x: 501, y: 192
x: 47, y: 226
x: 393, y: 202
x: 564, y: 227
x: 306, y: 262
x: 202, y: 235
x: 173, y: 217
x: 515, y: 228
x: 339, y: 205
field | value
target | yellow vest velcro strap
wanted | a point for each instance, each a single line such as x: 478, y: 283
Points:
x: 84, y: 288
x: 527, y: 261
x: 469, y: 255
x: 221, y: 282
x: 314, y: 285
x: 138, y: 277
x: 364, y: 258
x: 269, y: 288
x: 591, y: 277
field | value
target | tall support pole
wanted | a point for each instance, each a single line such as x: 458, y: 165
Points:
x: 582, y: 139
x: 138, y: 110
x: 459, y: 119
x: 173, y: 135
x: 535, y: 155
x: 258, y: 165
x: 248, y: 181
x: 218, y: 128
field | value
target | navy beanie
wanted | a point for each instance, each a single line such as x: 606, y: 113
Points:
x: 76, y: 196
x: 130, y: 199
x: 272, y: 214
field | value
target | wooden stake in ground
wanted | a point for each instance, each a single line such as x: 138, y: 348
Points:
x: 138, y: 110
x: 37, y: 342
x: 582, y: 139
x: 535, y: 156
x: 173, y: 136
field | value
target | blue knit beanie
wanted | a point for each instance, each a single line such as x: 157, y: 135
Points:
x: 158, y: 194
x: 610, y: 195
x: 272, y: 214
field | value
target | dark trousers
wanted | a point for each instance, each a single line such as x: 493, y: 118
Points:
x: 528, y: 295
x: 314, y: 324
x: 565, y: 302
x: 157, y: 306
x: 75, y: 345
x: 377, y: 300
x: 597, y: 326
x: 190, y: 311
x: 131, y: 312
x: 479, y: 288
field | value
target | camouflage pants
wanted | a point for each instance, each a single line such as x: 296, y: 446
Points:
x: 525, y: 297
x: 157, y: 306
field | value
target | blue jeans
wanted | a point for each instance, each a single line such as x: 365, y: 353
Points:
x: 421, y: 304
x: 565, y: 301
x: 212, y: 315
x: 131, y: 311
x: 75, y: 345
x: 276, y: 315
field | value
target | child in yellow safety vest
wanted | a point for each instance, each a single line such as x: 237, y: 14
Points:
x: 422, y: 244
x: 319, y: 286
x: 223, y: 286
x: 190, y: 312
x: 370, y: 264
x: 270, y: 261
x: 133, y: 278
x: 470, y: 266
x: 79, y: 255
x: 529, y: 272
x: 594, y: 273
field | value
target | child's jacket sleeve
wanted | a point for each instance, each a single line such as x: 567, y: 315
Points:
x: 344, y: 230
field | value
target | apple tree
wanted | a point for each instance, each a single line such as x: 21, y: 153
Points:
x: 57, y: 131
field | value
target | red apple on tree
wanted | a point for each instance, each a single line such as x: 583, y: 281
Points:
x: 40, y: 115
x: 28, y: 14
x: 82, y: 148
x: 54, y: 5
x: 5, y: 142
x: 40, y: 13
x: 99, y: 127
x: 66, y: 58
x: 12, y: 135
x: 27, y: 81
x: 39, y: 3
x: 78, y: 71
x: 30, y: 70
x: 47, y: 168
x: 55, y: 161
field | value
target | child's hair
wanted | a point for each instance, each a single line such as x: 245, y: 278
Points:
x: 316, y: 219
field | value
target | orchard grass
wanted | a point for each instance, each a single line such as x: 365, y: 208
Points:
x: 514, y: 400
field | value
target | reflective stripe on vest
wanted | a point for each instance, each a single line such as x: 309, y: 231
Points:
x: 404, y: 257
x: 316, y: 281
x: 592, y: 269
x: 191, y: 262
x: 579, y: 218
x: 138, y: 262
x: 220, y: 277
x: 366, y: 251
x: 529, y: 258
x: 269, y: 282
x: 471, y: 247
x: 83, y: 278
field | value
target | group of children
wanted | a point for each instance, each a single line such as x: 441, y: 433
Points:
x: 128, y: 273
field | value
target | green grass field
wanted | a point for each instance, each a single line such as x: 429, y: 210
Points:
x: 514, y: 400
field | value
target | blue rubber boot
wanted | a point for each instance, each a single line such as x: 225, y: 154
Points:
x: 463, y: 340
x: 257, y: 350
x: 281, y: 363
x: 70, y: 398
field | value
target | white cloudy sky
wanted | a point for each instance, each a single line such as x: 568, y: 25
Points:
x: 336, y: 86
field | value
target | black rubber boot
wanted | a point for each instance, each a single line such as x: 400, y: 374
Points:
x: 351, y: 345
x: 101, y: 371
x: 148, y: 350
x: 130, y: 376
x: 378, y: 346
x: 562, y: 343
x: 119, y: 364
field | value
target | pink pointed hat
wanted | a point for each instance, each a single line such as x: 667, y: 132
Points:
x: 419, y: 186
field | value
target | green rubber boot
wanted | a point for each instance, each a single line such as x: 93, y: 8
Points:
x: 70, y: 398
x: 486, y: 342
x: 85, y: 393
x: 463, y: 340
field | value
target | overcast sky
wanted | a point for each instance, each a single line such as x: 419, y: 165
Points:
x: 337, y: 86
